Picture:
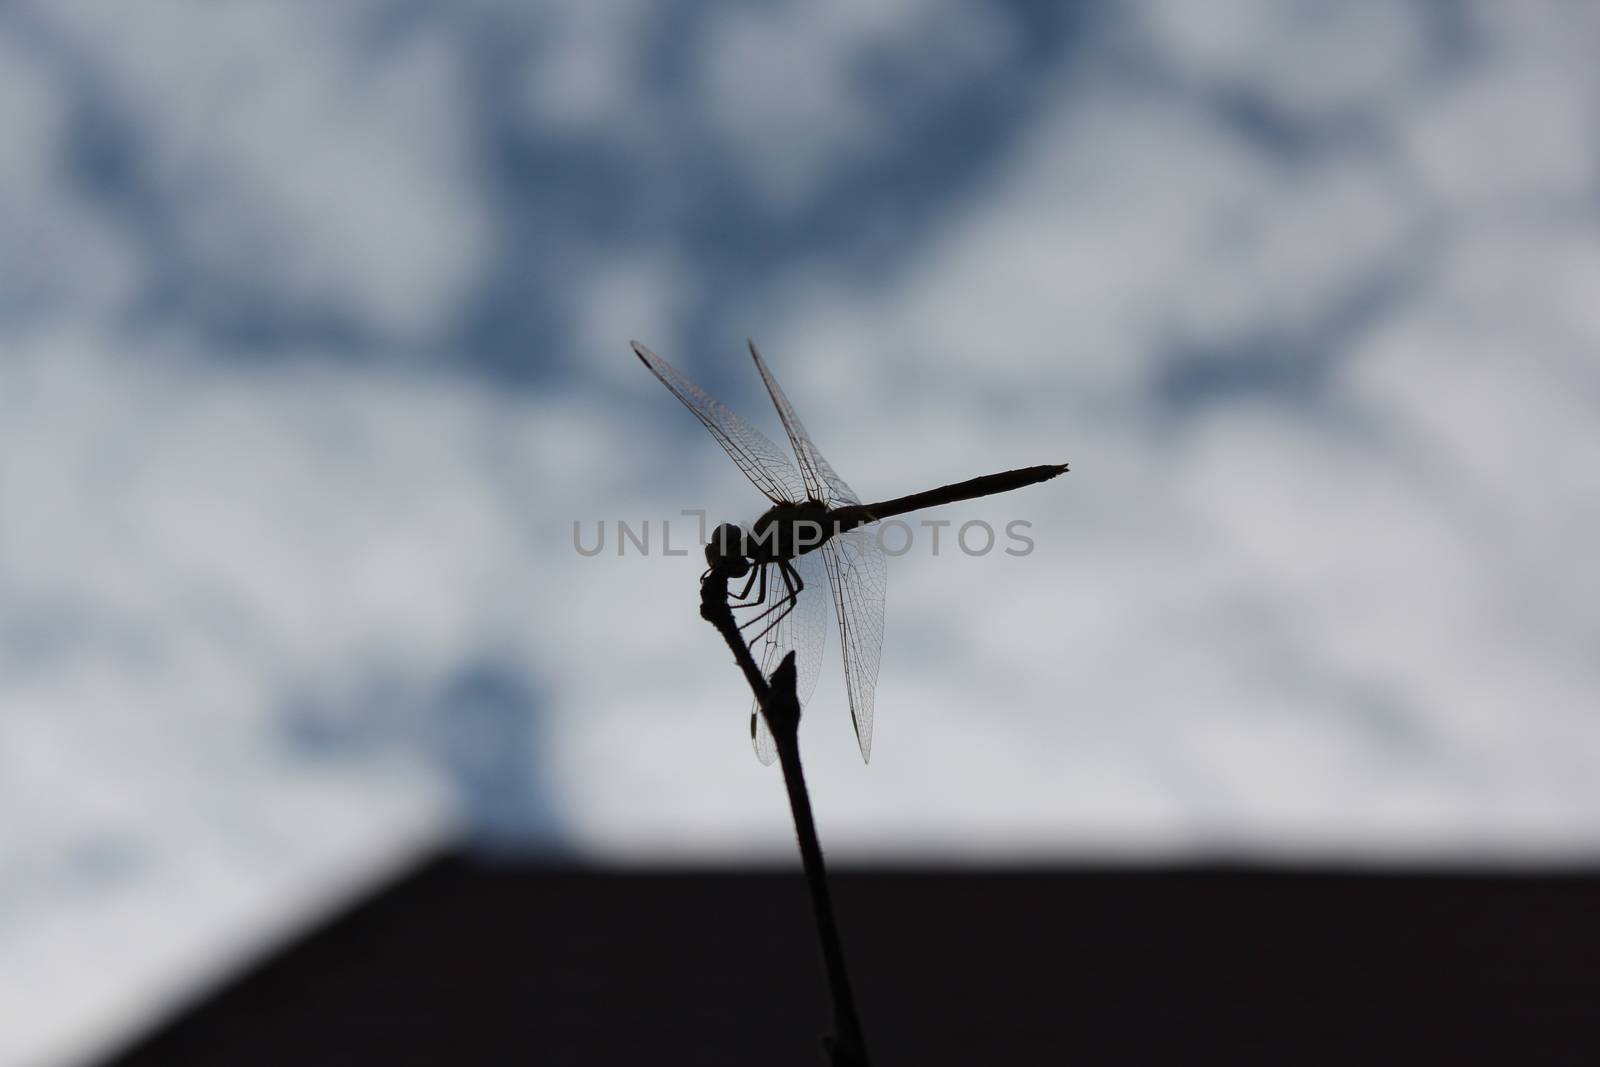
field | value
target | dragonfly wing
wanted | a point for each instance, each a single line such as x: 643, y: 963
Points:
x: 761, y: 736
x: 821, y: 483
x: 838, y: 492
x: 804, y: 631
x: 858, y: 574
x: 763, y: 462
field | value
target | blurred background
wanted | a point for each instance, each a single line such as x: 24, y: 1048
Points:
x: 313, y: 354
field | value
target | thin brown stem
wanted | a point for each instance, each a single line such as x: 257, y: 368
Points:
x: 780, y: 705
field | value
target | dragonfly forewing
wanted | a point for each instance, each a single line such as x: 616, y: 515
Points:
x: 763, y: 462
x: 821, y: 482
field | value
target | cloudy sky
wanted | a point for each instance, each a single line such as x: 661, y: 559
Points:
x: 314, y: 323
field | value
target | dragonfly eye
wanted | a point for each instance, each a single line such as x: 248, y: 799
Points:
x: 726, y: 551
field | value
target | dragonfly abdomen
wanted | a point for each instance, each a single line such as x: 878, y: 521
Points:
x: 853, y: 515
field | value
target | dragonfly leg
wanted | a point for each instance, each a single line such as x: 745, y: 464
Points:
x: 757, y: 571
x: 761, y: 598
x: 793, y: 582
x: 760, y: 571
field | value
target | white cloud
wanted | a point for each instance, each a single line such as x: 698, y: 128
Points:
x: 1460, y: 134
x: 61, y: 259
x: 1309, y: 57
x: 628, y: 297
x: 790, y: 86
x: 585, y: 74
x: 336, y: 183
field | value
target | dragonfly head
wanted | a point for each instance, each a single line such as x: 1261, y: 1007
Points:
x: 727, y: 552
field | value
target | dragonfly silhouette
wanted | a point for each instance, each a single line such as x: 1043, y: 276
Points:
x: 816, y: 523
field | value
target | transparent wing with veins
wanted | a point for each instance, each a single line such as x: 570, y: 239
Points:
x: 804, y: 630
x: 855, y: 563
x: 821, y: 483
x: 763, y: 462
x: 858, y: 574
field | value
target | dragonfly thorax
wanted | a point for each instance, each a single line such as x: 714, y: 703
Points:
x: 789, y: 530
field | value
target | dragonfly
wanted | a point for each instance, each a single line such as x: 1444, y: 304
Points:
x: 816, y: 538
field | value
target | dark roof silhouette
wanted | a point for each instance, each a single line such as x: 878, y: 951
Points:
x: 476, y: 962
